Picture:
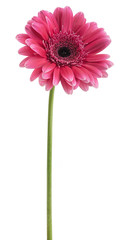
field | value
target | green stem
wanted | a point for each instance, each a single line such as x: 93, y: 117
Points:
x: 49, y: 166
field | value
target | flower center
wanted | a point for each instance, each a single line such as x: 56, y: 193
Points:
x: 64, y: 52
x: 65, y: 49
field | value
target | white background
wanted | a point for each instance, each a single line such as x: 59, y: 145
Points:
x: 89, y: 136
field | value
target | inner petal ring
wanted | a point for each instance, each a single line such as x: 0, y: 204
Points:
x: 65, y: 49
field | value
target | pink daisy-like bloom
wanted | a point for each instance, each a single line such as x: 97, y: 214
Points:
x: 64, y: 48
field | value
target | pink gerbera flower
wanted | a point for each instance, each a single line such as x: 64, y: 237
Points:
x: 64, y: 48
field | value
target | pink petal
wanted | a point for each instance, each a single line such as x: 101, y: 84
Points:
x: 50, y: 26
x: 41, y: 29
x: 109, y: 63
x: 26, y: 51
x: 37, y: 19
x: 77, y: 84
x: 79, y: 73
x: 90, y: 78
x: 72, y: 83
x: 98, y: 45
x: 32, y: 34
x: 30, y: 22
x: 47, y: 75
x: 30, y: 41
x: 51, y: 22
x: 58, y: 16
x: 78, y: 21
x: 92, y: 26
x: 104, y: 74
x: 48, y: 67
x: 35, y: 73
x: 83, y: 29
x: 100, y: 65
x: 35, y: 62
x: 67, y: 19
x: 44, y: 14
x: 95, y: 83
x: 67, y: 73
x: 84, y: 86
x: 49, y: 85
x: 41, y: 15
x: 98, y: 33
x: 22, y: 63
x: 39, y: 50
x: 96, y: 58
x: 56, y: 76
x: 51, y: 17
x: 93, y: 69
x: 22, y: 37
x: 42, y: 81
x: 67, y: 88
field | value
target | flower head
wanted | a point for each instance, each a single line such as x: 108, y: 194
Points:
x: 64, y: 48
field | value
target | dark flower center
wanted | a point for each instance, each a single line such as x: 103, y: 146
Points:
x: 64, y: 52
x: 65, y: 49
